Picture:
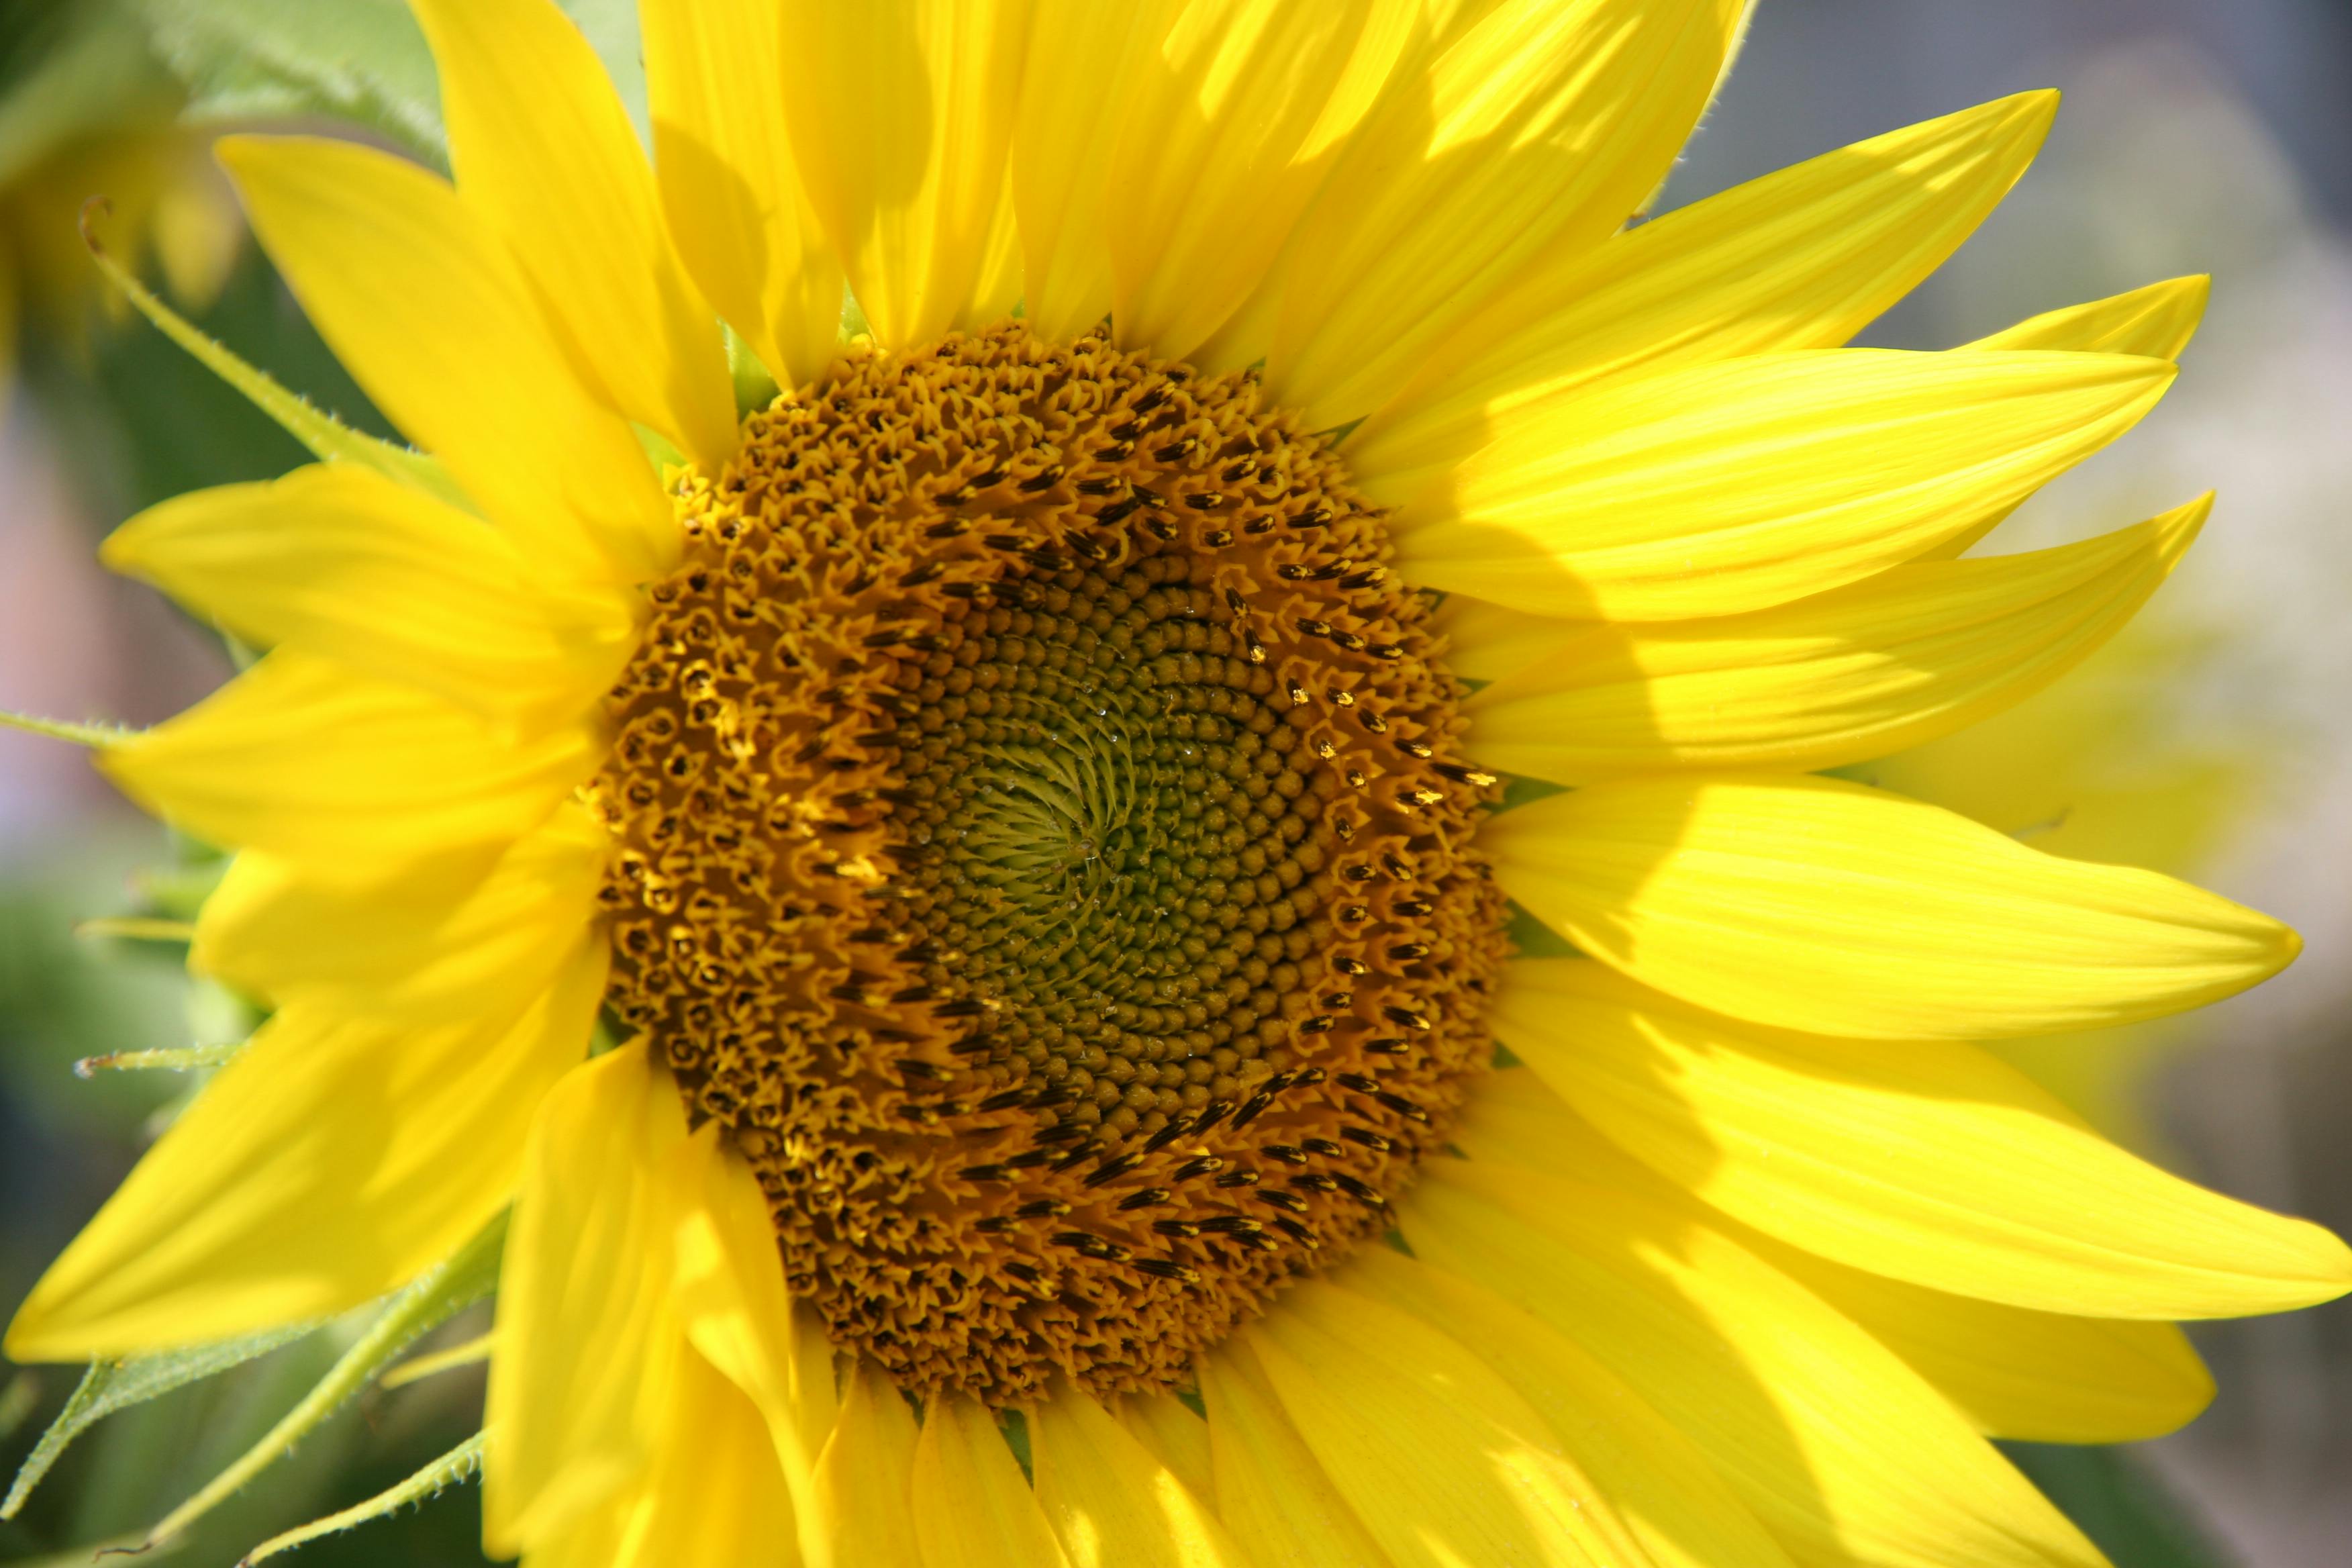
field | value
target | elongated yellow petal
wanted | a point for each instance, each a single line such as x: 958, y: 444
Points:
x: 1862, y: 671
x: 1674, y: 1505
x: 1081, y: 55
x: 1271, y: 1492
x: 1732, y: 487
x: 1929, y: 1160
x: 865, y: 1478
x: 1176, y: 1436
x: 900, y: 116
x: 346, y: 775
x: 1814, y: 904
x: 1227, y: 131
x: 1445, y: 1465
x: 1800, y: 259
x: 588, y: 1340
x: 1111, y: 1502
x: 2043, y: 1377
x: 332, y: 1159
x: 543, y: 149
x: 434, y: 945
x: 972, y: 1506
x: 1530, y: 139
x: 712, y: 1495
x: 729, y: 185
x: 341, y: 561
x: 2014, y: 1371
x: 1832, y: 1443
x: 733, y: 1306
x: 2156, y: 321
x: 418, y: 296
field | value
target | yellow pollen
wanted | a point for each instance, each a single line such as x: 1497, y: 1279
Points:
x: 1042, y: 851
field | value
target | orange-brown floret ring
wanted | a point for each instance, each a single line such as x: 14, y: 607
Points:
x: 1041, y: 850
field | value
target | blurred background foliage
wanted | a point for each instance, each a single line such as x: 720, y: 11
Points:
x: 2212, y: 741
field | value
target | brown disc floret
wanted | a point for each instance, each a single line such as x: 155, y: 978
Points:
x: 1042, y: 850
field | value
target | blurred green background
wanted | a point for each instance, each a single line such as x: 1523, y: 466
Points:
x: 2213, y: 741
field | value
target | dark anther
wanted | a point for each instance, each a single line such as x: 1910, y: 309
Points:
x: 1200, y: 1166
x: 1298, y: 1233
x: 1401, y: 1106
x: 1361, y: 1191
x: 1238, y: 1179
x: 1148, y: 1198
x: 1474, y: 777
x: 1183, y: 1227
x: 1177, y: 1127
x: 1375, y: 1142
x: 1405, y: 1017
x: 1357, y: 1082
x: 1112, y: 1169
x: 1285, y: 1153
x: 1280, y: 1199
x: 1167, y: 1269
x: 1042, y: 1208
x: 984, y: 1173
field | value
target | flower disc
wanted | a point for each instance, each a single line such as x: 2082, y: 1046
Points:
x: 1043, y: 853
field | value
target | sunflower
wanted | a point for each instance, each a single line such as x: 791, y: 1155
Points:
x: 1183, y: 910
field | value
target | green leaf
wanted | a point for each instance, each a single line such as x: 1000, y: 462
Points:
x: 112, y: 1385
x: 460, y: 1464
x: 2121, y: 1505
x: 441, y: 1293
x: 360, y: 60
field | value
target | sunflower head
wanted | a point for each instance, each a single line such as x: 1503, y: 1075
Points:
x: 1042, y: 844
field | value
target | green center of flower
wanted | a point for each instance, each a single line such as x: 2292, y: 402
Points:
x: 1042, y: 852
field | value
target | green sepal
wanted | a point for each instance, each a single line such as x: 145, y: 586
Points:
x: 329, y: 439
x: 112, y: 1386
x: 459, y: 1464
x: 443, y: 1292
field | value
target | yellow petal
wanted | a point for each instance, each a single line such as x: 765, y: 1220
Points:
x: 1443, y: 1463
x: 419, y: 298
x: 347, y: 775
x: 2156, y: 321
x: 1814, y: 904
x: 1833, y: 1444
x: 543, y: 149
x: 1929, y: 1160
x: 712, y: 1495
x: 1177, y: 1437
x: 1862, y: 671
x: 588, y: 1338
x: 1676, y: 1508
x: 1487, y: 642
x: 341, y: 561
x: 2012, y: 1372
x: 1111, y: 1502
x: 1722, y: 487
x: 437, y: 944
x: 865, y: 1478
x: 900, y: 117
x: 729, y: 185
x: 1802, y: 259
x: 972, y: 1506
x: 1271, y: 1492
x: 331, y: 1160
x: 1226, y: 133
x: 2041, y: 1377
x: 1530, y: 139
x: 732, y: 1304
x: 1080, y: 54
